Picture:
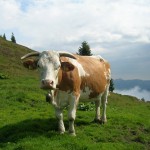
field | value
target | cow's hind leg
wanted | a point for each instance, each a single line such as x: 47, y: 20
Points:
x: 104, y: 104
x: 97, y: 113
x: 59, y: 116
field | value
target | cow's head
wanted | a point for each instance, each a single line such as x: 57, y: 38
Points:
x: 49, y: 64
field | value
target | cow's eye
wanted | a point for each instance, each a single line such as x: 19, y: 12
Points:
x: 38, y: 66
x: 57, y: 67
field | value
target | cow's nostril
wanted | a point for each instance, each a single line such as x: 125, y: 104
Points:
x: 51, y: 82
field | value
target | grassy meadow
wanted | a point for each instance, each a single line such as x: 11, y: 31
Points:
x: 27, y: 122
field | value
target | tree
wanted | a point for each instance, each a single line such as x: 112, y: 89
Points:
x: 111, y: 87
x: 4, y: 36
x: 84, y: 49
x: 143, y: 100
x: 13, y: 38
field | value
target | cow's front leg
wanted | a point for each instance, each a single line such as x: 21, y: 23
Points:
x: 72, y: 114
x: 59, y: 116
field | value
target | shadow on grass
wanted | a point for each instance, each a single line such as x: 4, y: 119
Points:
x: 28, y: 128
x: 32, y: 128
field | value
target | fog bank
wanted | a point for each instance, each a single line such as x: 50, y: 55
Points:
x: 136, y: 91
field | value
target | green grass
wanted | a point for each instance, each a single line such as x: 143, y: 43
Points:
x: 27, y: 122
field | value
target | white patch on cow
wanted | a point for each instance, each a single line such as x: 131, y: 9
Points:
x: 82, y: 72
x: 109, y: 72
x: 106, y: 76
x: 62, y: 99
x: 84, y: 95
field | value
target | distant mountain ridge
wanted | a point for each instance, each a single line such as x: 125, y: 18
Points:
x: 129, y: 84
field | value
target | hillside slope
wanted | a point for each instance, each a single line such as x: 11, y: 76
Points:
x: 10, y: 62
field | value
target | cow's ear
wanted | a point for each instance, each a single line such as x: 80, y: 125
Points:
x: 30, y: 64
x: 67, y: 66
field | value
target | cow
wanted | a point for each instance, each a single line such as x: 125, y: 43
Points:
x: 70, y: 78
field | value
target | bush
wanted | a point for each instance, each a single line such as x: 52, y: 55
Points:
x: 86, y: 107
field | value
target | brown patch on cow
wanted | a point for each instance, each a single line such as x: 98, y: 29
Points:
x: 69, y: 80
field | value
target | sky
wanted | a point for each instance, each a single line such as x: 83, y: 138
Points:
x: 118, y: 30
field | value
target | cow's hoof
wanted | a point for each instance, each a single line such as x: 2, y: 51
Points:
x: 61, y: 132
x: 72, y: 134
x: 97, y: 121
x: 103, y: 121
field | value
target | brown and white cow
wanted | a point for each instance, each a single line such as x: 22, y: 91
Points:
x: 70, y: 78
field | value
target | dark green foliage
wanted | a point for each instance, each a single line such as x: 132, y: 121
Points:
x: 143, y: 99
x: 4, y: 36
x: 13, y: 39
x: 86, y: 106
x: 111, y: 87
x: 84, y: 49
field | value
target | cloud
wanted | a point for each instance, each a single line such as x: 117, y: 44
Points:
x: 75, y: 20
x: 136, y: 91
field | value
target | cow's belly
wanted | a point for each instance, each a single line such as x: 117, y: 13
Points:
x: 85, y: 98
x: 63, y: 97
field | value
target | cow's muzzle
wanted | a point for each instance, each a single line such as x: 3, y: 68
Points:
x: 47, y: 84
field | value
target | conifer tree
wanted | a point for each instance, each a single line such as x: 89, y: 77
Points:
x: 13, y: 38
x: 111, y: 87
x: 4, y: 36
x: 84, y: 49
